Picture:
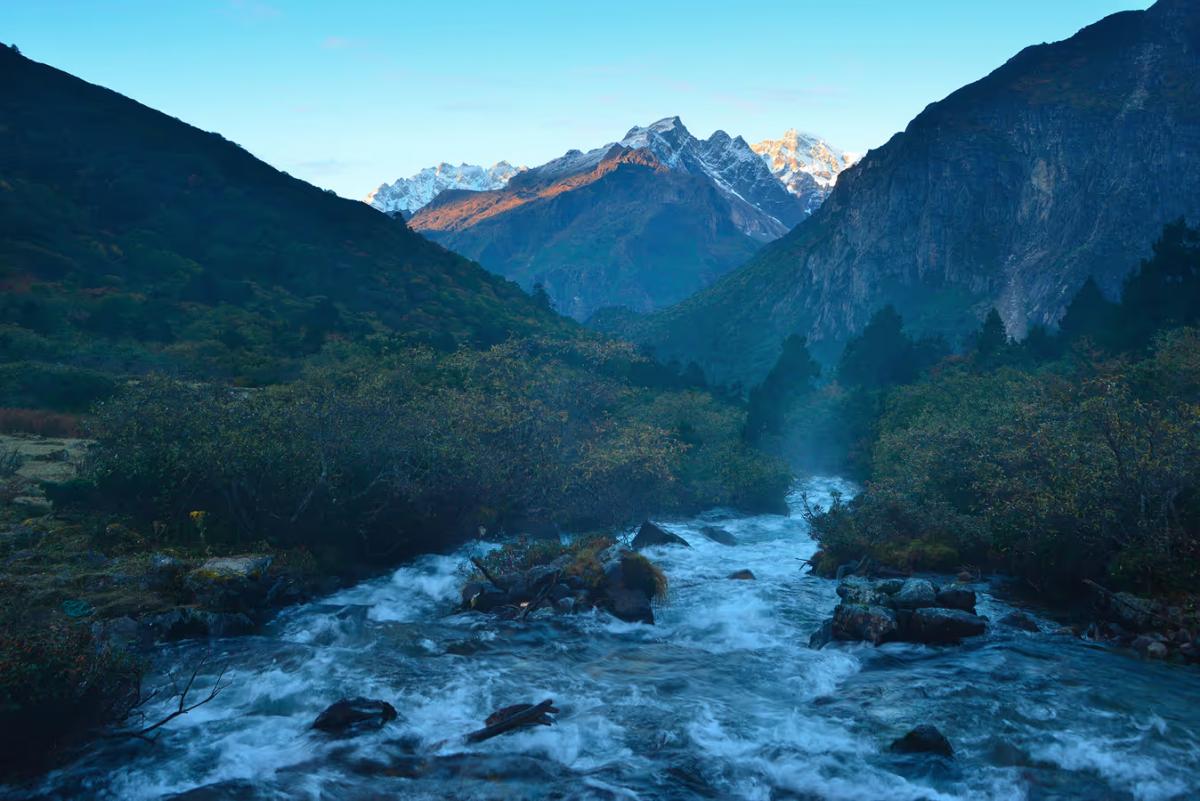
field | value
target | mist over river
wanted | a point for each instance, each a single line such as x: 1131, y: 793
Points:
x: 722, y: 698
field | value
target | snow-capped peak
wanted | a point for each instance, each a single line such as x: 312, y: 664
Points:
x: 797, y: 157
x: 409, y: 194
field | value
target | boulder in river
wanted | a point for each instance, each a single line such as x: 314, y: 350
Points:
x: 924, y: 739
x: 915, y: 593
x: 957, y: 597
x: 630, y: 582
x: 858, y: 590
x: 354, y: 715
x: 742, y: 575
x: 718, y: 535
x: 231, y: 583
x: 935, y: 626
x: 1020, y: 620
x: 874, y: 624
x: 650, y: 534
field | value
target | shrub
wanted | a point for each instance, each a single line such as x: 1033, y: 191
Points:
x: 60, y: 388
x: 56, y: 685
x: 35, y: 421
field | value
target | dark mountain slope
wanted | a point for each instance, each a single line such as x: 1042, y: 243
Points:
x: 129, y: 240
x: 1065, y: 162
x: 626, y: 231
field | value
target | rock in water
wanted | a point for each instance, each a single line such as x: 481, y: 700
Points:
x: 353, y: 715
x: 874, y: 624
x: 858, y: 590
x: 650, y: 534
x: 742, y: 575
x: 957, y: 598
x: 915, y: 594
x: 719, y: 535
x: 924, y: 739
x: 944, y: 626
x: 1020, y: 620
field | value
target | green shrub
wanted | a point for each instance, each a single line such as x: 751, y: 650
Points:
x: 33, y: 385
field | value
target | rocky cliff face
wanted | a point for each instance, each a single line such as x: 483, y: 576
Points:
x: 1065, y: 162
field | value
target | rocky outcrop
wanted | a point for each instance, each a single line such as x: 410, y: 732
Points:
x: 1001, y: 195
x: 351, y: 716
x: 650, y: 535
x: 620, y: 581
x: 924, y: 739
x: 912, y: 610
x: 718, y: 535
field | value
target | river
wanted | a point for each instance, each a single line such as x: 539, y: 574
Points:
x: 721, y: 699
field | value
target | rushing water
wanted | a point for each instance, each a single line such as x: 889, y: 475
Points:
x: 721, y: 699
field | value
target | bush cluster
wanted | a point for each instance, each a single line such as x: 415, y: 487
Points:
x: 376, y: 461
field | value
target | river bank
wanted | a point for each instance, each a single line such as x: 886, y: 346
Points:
x: 722, y: 697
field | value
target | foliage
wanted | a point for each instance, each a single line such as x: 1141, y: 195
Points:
x: 56, y: 684
x: 1057, y: 475
x: 33, y: 385
x: 375, y: 461
x: 790, y: 379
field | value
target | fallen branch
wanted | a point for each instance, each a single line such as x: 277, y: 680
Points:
x: 536, y: 715
x: 183, y: 707
x: 495, y: 583
x: 542, y: 593
x: 1115, y: 598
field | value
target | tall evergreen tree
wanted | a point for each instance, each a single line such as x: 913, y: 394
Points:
x: 882, y: 355
x: 791, y: 378
x: 1090, y: 315
x: 991, y: 341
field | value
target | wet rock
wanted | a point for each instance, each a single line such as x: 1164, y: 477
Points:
x: 915, y: 594
x: 924, y: 739
x: 470, y: 591
x: 231, y: 583
x: 718, y: 535
x: 354, y: 715
x: 565, y: 606
x: 858, y: 590
x: 650, y: 534
x: 629, y: 586
x: 955, y: 597
x: 186, y: 623
x: 1133, y: 612
x: 163, y: 571
x: 631, y: 606
x: 742, y: 575
x: 964, y: 577
x: 935, y: 626
x: 873, y: 624
x: 1157, y: 650
x: 1020, y: 620
x: 488, y: 600
x: 1150, y: 645
x: 889, y: 586
x: 822, y: 636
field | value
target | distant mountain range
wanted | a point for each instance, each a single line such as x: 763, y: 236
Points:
x: 641, y: 222
x: 1063, y: 163
x: 406, y: 195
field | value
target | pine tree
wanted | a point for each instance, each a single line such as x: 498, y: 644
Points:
x: 991, y: 341
x: 1090, y: 315
x: 880, y: 356
x: 791, y: 378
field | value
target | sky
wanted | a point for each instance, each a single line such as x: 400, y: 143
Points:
x: 350, y: 94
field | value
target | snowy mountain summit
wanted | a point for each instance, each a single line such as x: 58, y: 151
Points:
x: 806, y: 164
x: 409, y: 194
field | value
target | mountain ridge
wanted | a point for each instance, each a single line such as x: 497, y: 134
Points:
x: 1063, y: 162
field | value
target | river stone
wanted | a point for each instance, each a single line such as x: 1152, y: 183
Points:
x: 822, y: 636
x: 957, y: 598
x: 649, y: 535
x: 873, y: 624
x: 858, y: 590
x: 227, y: 568
x: 924, y: 739
x: 1133, y: 612
x: 742, y: 575
x: 889, y: 586
x: 944, y: 626
x: 1020, y: 620
x: 718, y: 535
x: 915, y: 594
x: 353, y: 715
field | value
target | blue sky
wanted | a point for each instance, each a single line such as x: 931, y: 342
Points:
x: 349, y: 94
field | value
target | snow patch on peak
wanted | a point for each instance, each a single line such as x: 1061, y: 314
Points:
x: 800, y: 159
x: 409, y: 194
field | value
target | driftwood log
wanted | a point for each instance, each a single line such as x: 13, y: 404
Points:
x: 514, y: 717
x: 495, y: 583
